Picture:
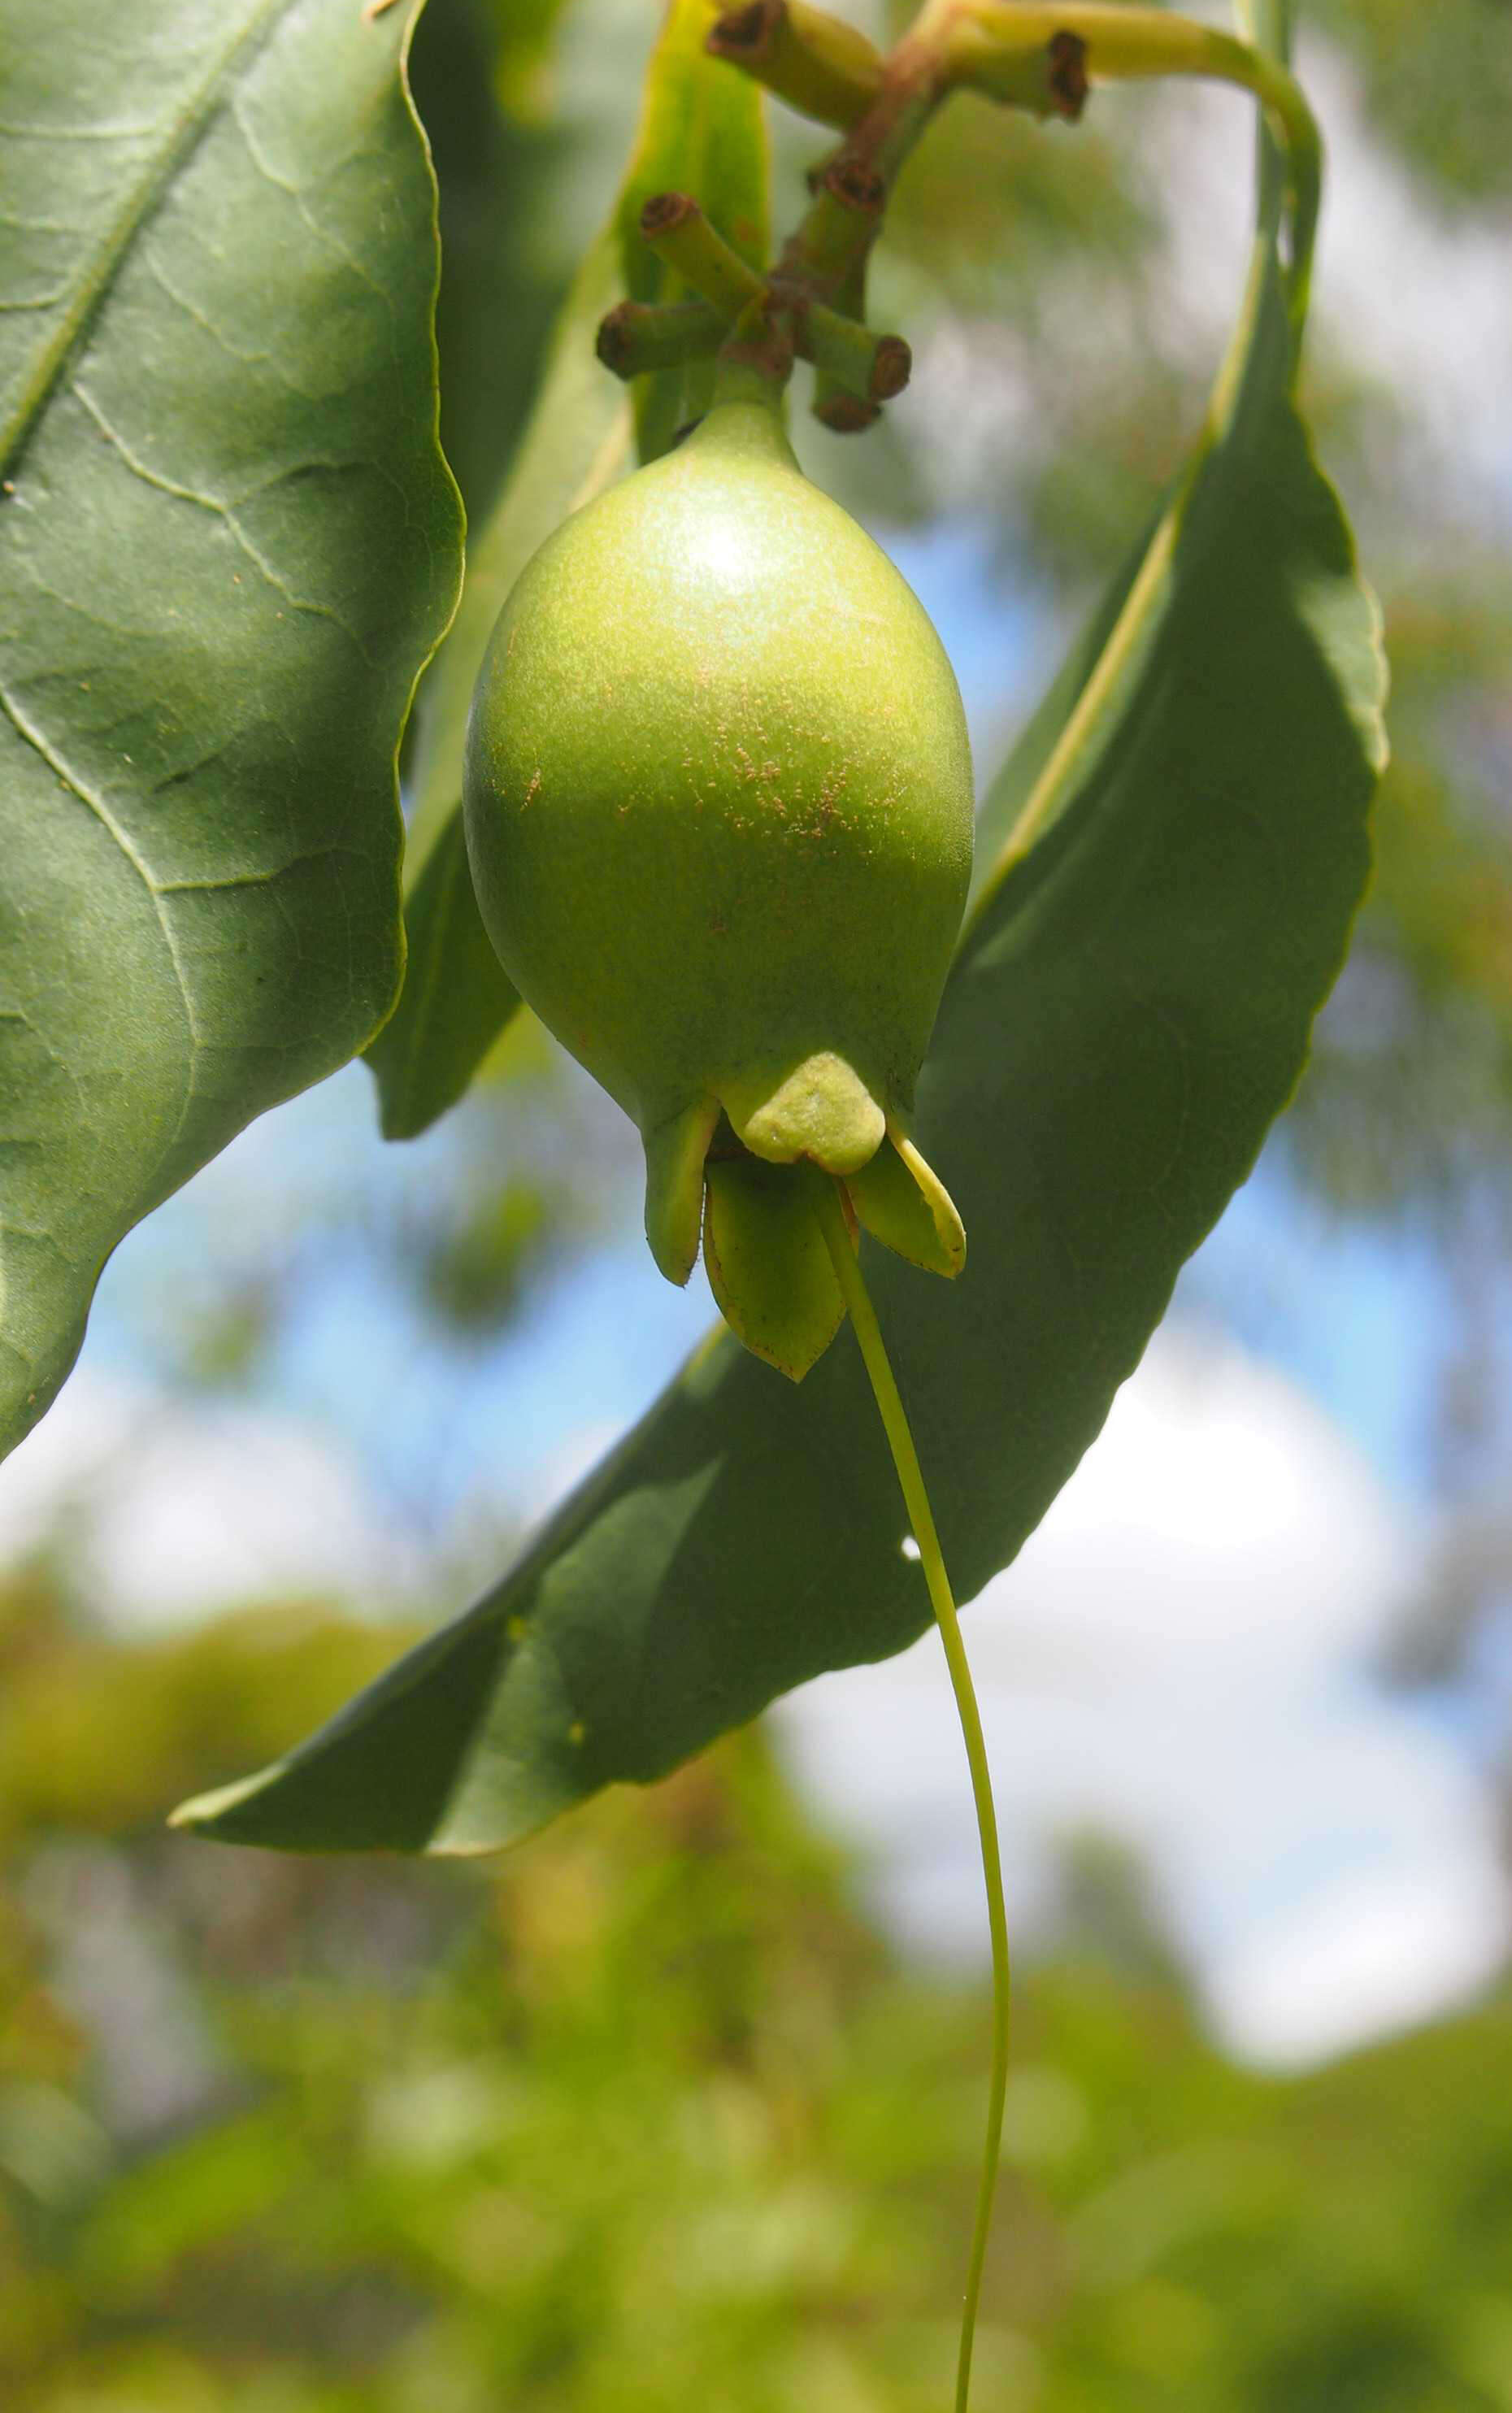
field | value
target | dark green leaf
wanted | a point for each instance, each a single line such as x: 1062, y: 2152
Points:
x: 456, y: 1000
x: 502, y: 279
x: 457, y: 997
x: 702, y: 130
x: 1129, y: 1009
x: 227, y: 542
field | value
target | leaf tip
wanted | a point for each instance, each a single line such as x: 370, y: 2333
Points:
x: 205, y: 1809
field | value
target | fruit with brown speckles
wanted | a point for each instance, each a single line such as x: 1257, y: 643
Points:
x: 718, y: 810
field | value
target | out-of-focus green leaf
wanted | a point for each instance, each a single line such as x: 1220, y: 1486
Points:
x: 1129, y: 1009
x: 702, y: 131
x: 474, y: 1275
x: 227, y: 543
x: 503, y: 275
x: 1437, y: 82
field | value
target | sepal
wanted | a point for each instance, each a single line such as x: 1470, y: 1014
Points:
x: 901, y: 1201
x: 768, y: 1264
x: 674, y: 1154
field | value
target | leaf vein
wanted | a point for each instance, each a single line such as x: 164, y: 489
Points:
x: 213, y: 503
x: 13, y: 133
x: 130, y: 852
x: 296, y: 194
x: 255, y: 359
x: 175, y: 142
x: 265, y: 878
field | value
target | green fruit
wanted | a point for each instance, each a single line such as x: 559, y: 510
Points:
x: 719, y: 811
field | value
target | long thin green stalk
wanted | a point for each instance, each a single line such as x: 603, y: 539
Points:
x: 916, y: 1499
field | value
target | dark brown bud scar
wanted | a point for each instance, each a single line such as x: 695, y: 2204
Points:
x: 1068, y: 74
x: 859, y: 188
x: 664, y: 210
x: 742, y: 30
x: 845, y: 414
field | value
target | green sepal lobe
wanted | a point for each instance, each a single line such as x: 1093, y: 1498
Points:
x: 674, y: 1154
x: 900, y: 1201
x: 768, y: 1264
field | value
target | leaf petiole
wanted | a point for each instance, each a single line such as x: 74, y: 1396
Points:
x: 832, y: 1222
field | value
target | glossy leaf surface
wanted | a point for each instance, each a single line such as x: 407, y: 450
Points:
x: 227, y: 543
x: 1129, y: 1010
x: 702, y: 129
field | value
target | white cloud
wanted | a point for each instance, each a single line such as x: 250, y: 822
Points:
x: 52, y: 1469
x: 1399, y: 1940
x: 164, y: 1512
x: 1421, y: 298
x: 1176, y: 1659
x: 1222, y: 1527
x: 1403, y: 291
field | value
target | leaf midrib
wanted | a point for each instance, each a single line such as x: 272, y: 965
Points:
x: 182, y: 136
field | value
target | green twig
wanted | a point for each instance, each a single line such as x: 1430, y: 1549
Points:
x: 820, y: 68
x: 868, y: 368
x: 635, y: 336
x: 842, y: 412
x: 830, y: 245
x: 755, y: 360
x: 832, y: 1224
x: 678, y: 232
x: 872, y: 367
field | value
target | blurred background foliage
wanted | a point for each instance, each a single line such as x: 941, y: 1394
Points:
x: 646, y: 2116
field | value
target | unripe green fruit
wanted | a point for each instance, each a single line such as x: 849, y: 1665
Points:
x: 719, y: 811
